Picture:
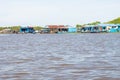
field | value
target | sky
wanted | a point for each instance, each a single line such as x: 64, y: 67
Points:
x: 57, y: 12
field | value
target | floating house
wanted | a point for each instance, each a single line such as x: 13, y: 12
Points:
x: 61, y: 28
x: 71, y: 29
x: 27, y: 29
x: 45, y: 30
x: 109, y: 27
x: 91, y: 29
x: 100, y: 28
x: 56, y: 28
x: 118, y: 27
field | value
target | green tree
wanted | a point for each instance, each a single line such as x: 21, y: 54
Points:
x: 94, y: 23
x: 37, y: 28
x: 15, y: 28
x: 1, y: 28
x: 114, y: 21
x: 78, y: 26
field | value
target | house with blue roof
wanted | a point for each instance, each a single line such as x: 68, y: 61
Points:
x: 90, y: 29
x: 27, y: 29
x: 101, y: 28
x: 109, y: 27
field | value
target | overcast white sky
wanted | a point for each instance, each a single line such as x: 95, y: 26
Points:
x: 44, y: 12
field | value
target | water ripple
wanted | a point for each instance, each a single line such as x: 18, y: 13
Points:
x: 59, y: 57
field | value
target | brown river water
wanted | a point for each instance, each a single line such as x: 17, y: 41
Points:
x: 60, y: 56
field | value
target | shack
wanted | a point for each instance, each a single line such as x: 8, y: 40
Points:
x: 90, y: 29
x: 27, y: 29
x: 101, y: 28
x: 118, y: 27
x: 57, y: 28
x: 109, y: 27
x: 45, y: 30
x: 71, y: 29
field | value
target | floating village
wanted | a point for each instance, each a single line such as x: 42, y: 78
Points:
x: 50, y: 29
x: 58, y: 29
x: 94, y: 27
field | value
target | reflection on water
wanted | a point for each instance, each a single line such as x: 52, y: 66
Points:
x: 60, y: 57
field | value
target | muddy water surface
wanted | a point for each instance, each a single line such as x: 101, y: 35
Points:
x: 60, y: 57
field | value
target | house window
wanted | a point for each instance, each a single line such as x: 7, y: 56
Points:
x: 104, y: 28
x: 113, y: 26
